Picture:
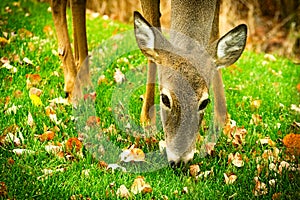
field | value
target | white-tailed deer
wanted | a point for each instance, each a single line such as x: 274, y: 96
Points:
x: 187, y: 64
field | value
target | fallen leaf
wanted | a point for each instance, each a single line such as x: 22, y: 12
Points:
x: 283, y: 165
x: 260, y: 188
x: 209, y: 147
x: 73, y: 144
x: 268, y: 141
x: 27, y: 61
x: 184, y: 190
x: 194, y: 170
x: 30, y: 120
x: 272, y: 182
x: 91, y: 96
x: 271, y: 155
x: 256, y: 119
x: 35, y: 100
x: 35, y: 91
x: 115, y: 166
x: 255, y: 104
x: 54, y: 149
x: 102, y: 80
x: 13, y: 109
x: 60, y: 100
x: 140, y: 186
x: 236, y: 159
x: 123, y: 192
x: 20, y: 152
x: 119, y: 77
x: 48, y: 135
x: 298, y: 87
x: 3, y: 189
x: 270, y: 57
x: 24, y: 33
x: 11, y: 138
x: 132, y: 154
x: 93, y: 121
x: 18, y: 93
x: 292, y: 143
x: 295, y: 108
x: 230, y: 179
x: 3, y: 41
x: 85, y: 172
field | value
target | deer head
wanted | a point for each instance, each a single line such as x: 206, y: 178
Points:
x: 185, y: 76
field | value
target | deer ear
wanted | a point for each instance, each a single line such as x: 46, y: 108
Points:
x: 145, y: 36
x: 231, y: 46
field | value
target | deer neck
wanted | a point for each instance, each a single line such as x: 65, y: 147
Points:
x: 192, y: 20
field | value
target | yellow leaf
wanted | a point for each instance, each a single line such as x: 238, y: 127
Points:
x: 35, y: 100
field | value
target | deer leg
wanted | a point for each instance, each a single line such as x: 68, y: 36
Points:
x: 64, y: 47
x: 152, y: 15
x: 80, y: 45
x: 220, y: 110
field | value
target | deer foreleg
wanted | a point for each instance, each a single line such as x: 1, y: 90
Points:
x: 80, y: 44
x: 64, y: 48
x: 220, y: 110
x: 152, y: 14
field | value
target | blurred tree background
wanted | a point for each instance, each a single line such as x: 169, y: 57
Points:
x: 274, y: 25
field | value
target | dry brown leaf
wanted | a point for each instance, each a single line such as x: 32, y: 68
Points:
x: 3, y: 189
x: 271, y: 155
x: 12, y: 138
x: 255, y: 104
x: 140, y: 186
x: 20, y: 152
x: 73, y: 144
x: 24, y: 33
x: 55, y: 149
x: 230, y: 179
x: 209, y: 147
x: 236, y: 159
x: 3, y: 41
x: 35, y: 91
x: 60, y: 100
x: 268, y: 141
x: 91, y: 96
x: 119, y: 77
x: 30, y: 121
x: 48, y: 135
x: 194, y: 170
x: 256, y: 119
x: 292, y: 143
x: 93, y: 121
x: 260, y: 188
x: 123, y: 192
x: 132, y: 154
x: 102, y: 79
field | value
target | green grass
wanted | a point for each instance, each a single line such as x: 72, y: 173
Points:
x: 274, y: 83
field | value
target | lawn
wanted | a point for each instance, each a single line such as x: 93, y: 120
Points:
x: 42, y: 156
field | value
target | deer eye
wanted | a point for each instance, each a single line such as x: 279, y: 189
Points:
x: 166, y: 101
x: 203, y: 104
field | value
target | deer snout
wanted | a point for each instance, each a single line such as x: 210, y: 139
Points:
x: 174, y: 159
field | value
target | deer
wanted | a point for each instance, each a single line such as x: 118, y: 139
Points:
x: 187, y: 64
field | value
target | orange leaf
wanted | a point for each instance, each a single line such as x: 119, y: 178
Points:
x: 48, y: 135
x: 93, y: 121
x: 73, y: 143
x: 292, y: 142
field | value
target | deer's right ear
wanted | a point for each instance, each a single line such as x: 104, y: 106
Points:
x: 145, y: 36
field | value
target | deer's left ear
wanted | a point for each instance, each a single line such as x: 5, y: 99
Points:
x: 145, y: 36
x: 230, y: 47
